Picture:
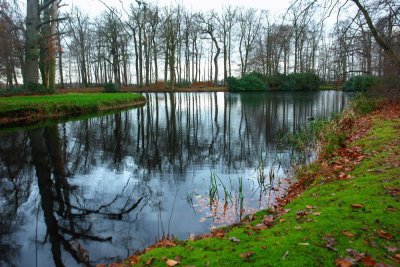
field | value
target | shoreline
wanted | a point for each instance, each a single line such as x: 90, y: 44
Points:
x: 343, y: 167
x: 39, y: 109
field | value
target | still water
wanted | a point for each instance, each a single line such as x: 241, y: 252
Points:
x: 96, y: 190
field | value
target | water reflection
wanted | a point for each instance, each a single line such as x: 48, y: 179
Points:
x: 92, y: 191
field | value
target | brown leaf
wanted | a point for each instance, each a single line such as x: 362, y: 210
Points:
x: 219, y: 233
x: 171, y: 263
x: 134, y: 260
x: 150, y: 261
x: 282, y: 220
x: 357, y: 206
x: 302, y: 213
x: 317, y: 213
x: 368, y: 261
x: 357, y: 256
x: 385, y: 235
x: 343, y: 262
x: 330, y: 242
x: 310, y: 207
x: 347, y: 233
x: 247, y: 255
x: 178, y: 258
x: 391, y: 209
x: 397, y: 256
x: 260, y: 227
x: 268, y: 220
x: 392, y: 249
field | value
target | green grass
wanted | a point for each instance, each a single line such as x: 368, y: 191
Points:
x: 36, y: 107
x: 300, y: 243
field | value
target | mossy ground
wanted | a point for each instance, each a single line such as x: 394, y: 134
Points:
x: 332, y: 220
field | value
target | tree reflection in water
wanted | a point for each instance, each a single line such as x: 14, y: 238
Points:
x: 109, y: 185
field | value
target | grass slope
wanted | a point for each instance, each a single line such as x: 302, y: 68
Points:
x: 323, y: 223
x: 31, y: 108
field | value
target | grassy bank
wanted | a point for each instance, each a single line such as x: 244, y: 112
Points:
x: 149, y: 90
x: 348, y: 214
x: 30, y: 109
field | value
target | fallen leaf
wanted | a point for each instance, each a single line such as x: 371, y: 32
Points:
x: 397, y: 256
x: 150, y: 261
x: 317, y: 213
x: 264, y: 247
x: 247, y: 255
x: 355, y: 254
x: 330, y: 242
x: 282, y: 220
x: 178, y: 258
x: 259, y: 227
x: 343, y: 262
x: 391, y: 209
x: 357, y: 206
x: 348, y: 234
x: 385, y: 235
x: 268, y: 220
x: 297, y: 227
x: 303, y: 244
x: 171, y: 263
x: 134, y: 260
x: 310, y: 207
x: 392, y: 249
x: 368, y: 261
x: 302, y: 213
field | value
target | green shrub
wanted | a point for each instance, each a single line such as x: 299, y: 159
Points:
x: 250, y: 82
x: 14, y: 90
x: 363, y: 104
x: 301, y: 82
x: 359, y: 83
x: 110, y: 88
x: 275, y: 81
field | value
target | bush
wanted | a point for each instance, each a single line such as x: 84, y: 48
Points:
x: 15, y: 90
x: 39, y: 89
x: 257, y: 82
x: 110, y: 88
x: 275, y: 81
x: 301, y: 81
x: 359, y: 83
x: 363, y: 104
x: 250, y: 82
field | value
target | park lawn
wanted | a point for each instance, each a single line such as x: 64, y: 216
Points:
x: 33, y: 108
x: 335, y: 222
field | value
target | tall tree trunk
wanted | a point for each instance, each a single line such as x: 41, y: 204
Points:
x: 32, y: 44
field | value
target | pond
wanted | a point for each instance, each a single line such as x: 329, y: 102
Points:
x: 97, y: 190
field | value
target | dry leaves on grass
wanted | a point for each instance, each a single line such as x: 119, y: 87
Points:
x: 171, y: 263
x: 385, y: 235
x: 348, y: 234
x: 247, y: 255
x: 343, y: 262
x: 357, y: 206
x: 330, y: 242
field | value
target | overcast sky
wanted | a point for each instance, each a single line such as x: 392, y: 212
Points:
x: 94, y: 7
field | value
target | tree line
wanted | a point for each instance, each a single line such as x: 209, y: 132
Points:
x: 145, y: 43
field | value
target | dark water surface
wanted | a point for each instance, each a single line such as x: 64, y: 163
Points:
x: 96, y: 190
